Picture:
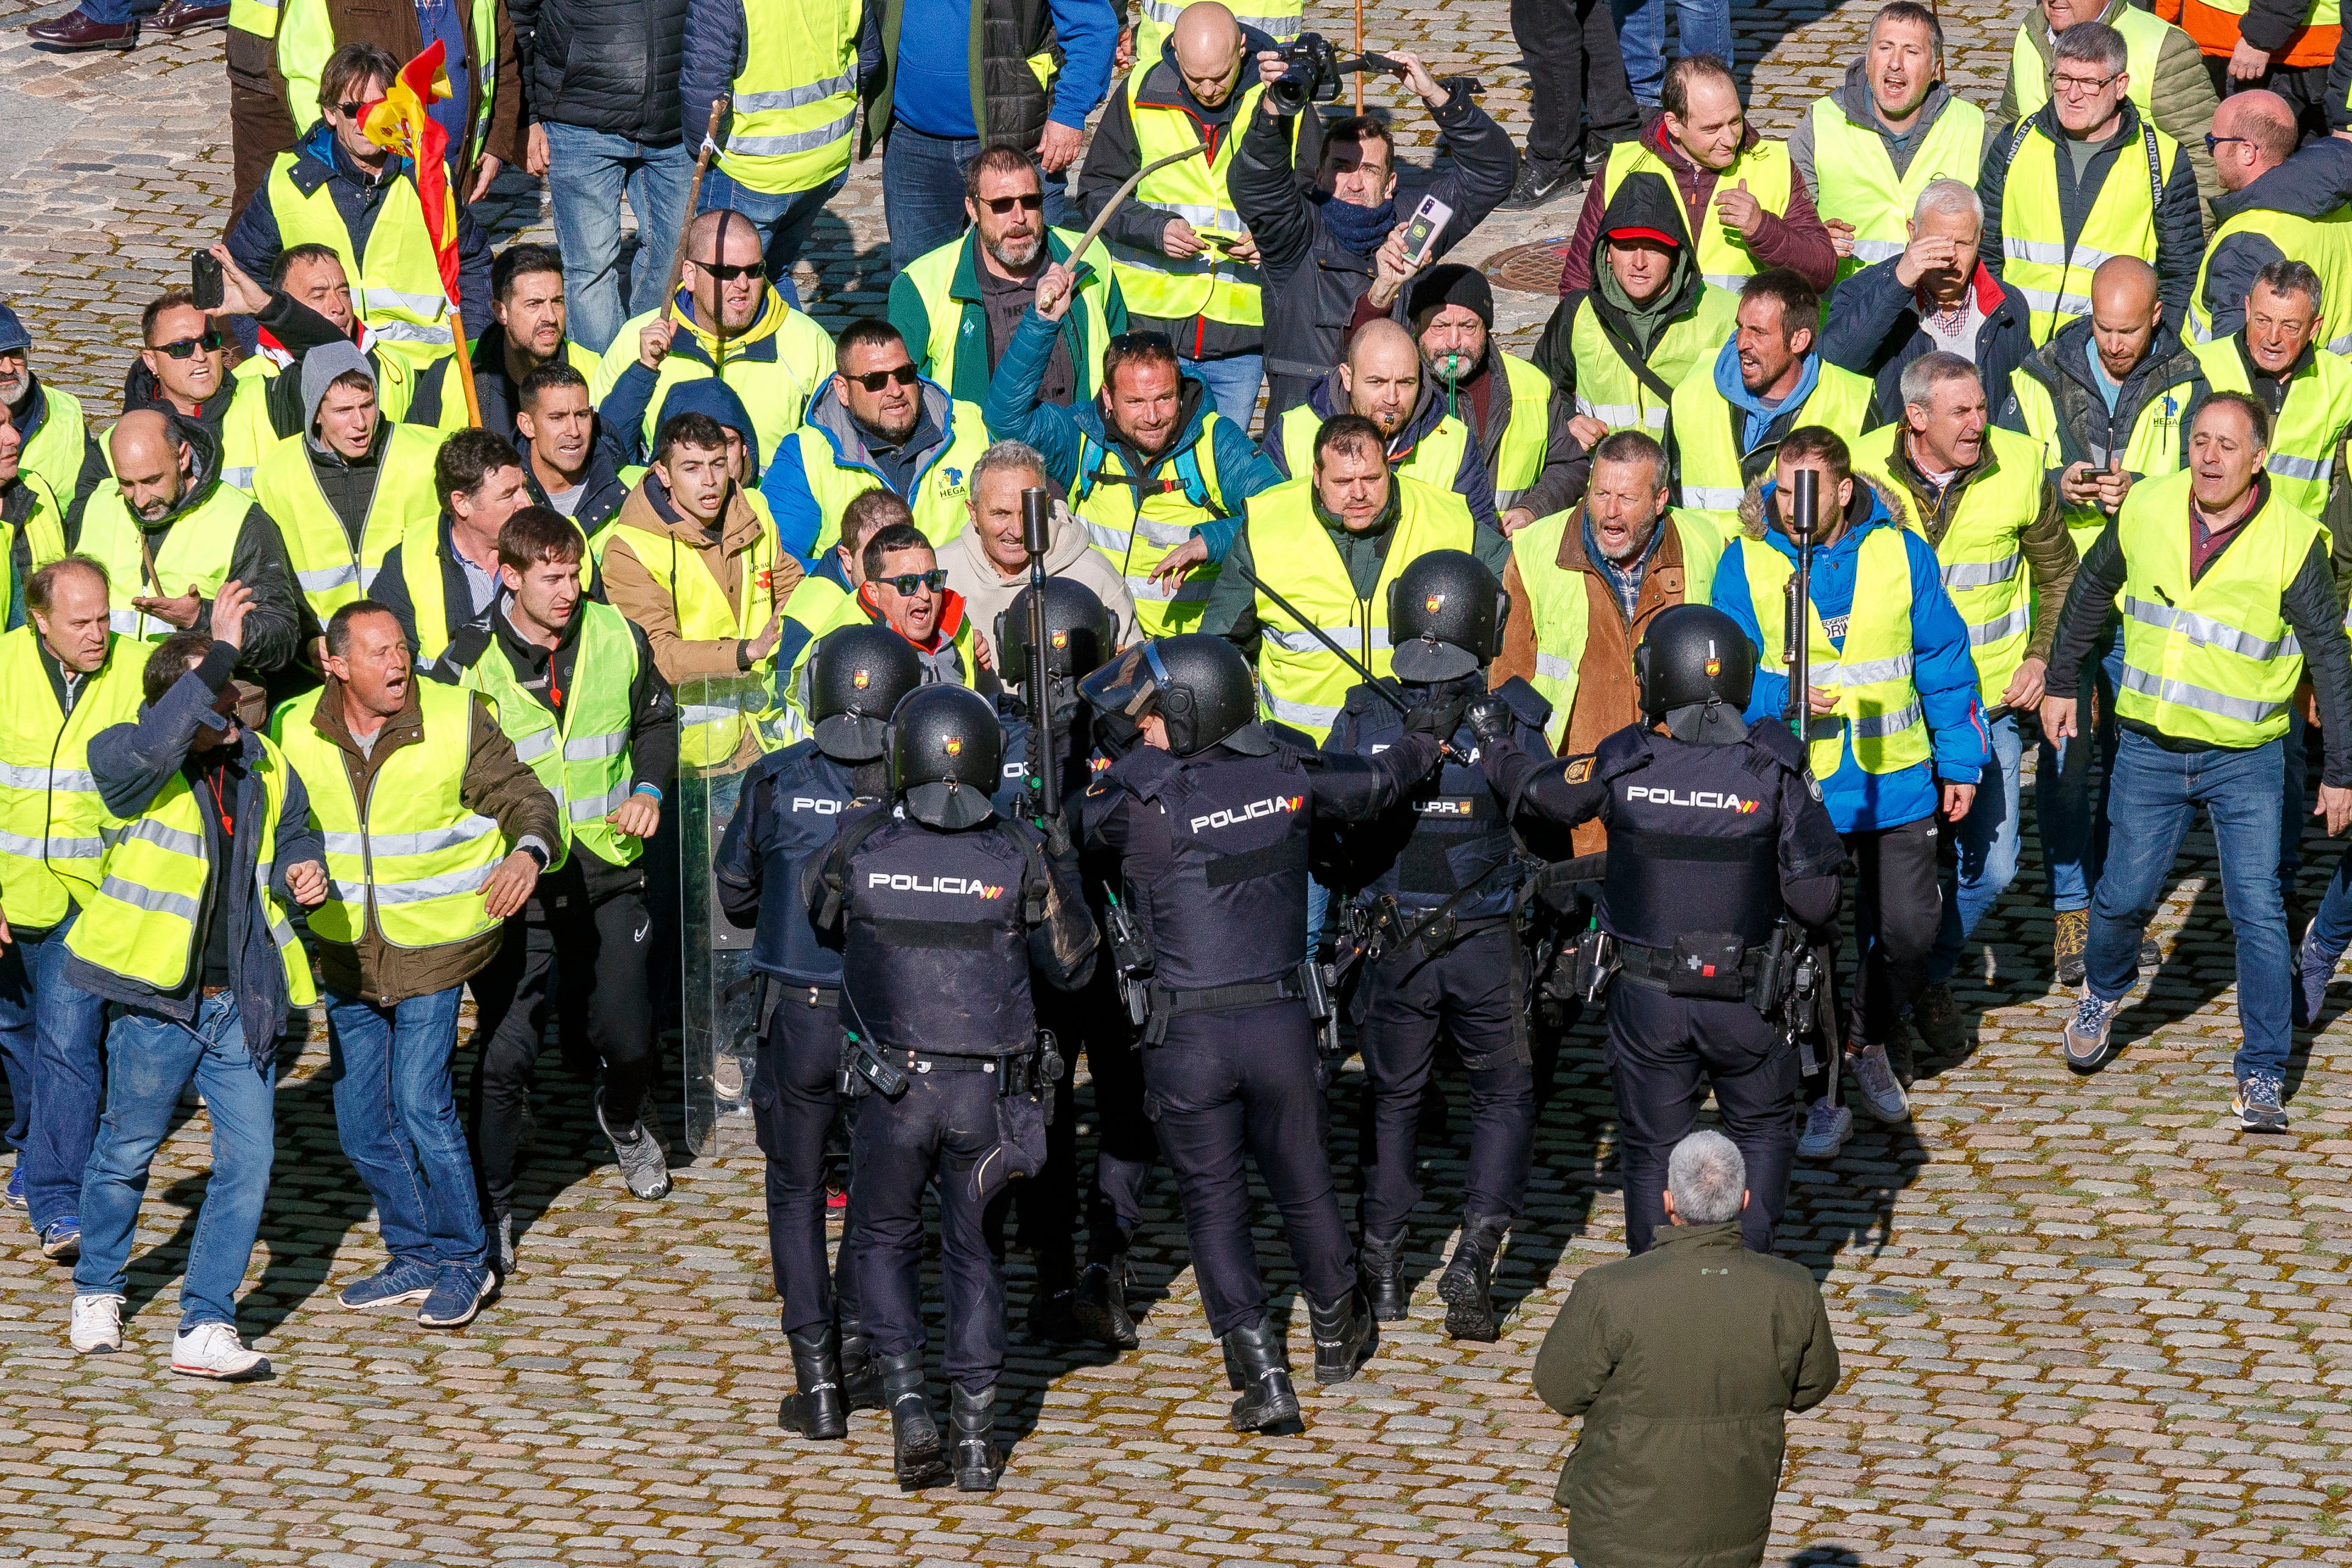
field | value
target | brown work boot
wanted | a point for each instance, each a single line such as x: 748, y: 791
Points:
x: 2067, y: 942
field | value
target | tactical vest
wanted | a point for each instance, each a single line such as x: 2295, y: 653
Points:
x: 1723, y: 259
x: 2054, y: 279
x: 198, y: 550
x: 1982, y: 564
x: 958, y: 329
x: 1210, y: 283
x: 941, y: 495
x: 713, y: 711
x: 43, y: 531
x: 1878, y: 707
x: 411, y: 859
x: 1559, y: 603
x: 328, y: 572
x: 51, y: 815
x: 1446, y: 836
x: 583, y: 759
x: 2153, y: 448
x: 1854, y: 180
x: 795, y: 96
x: 2309, y: 424
x: 1714, y: 472
x: 1136, y: 521
x: 1300, y: 682
x: 2325, y: 243
x: 2212, y: 660
x: 55, y: 452
x: 396, y: 287
x: 140, y: 923
x: 1694, y: 838
x: 1606, y: 386
x: 1435, y: 459
x: 2144, y: 36
x: 809, y: 795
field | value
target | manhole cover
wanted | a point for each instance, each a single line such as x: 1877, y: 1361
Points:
x: 1529, y: 268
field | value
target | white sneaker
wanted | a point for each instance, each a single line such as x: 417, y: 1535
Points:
x: 1882, y: 1092
x: 97, y: 1324
x: 1827, y: 1127
x: 212, y: 1349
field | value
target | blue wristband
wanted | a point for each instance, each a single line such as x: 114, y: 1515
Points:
x: 653, y: 790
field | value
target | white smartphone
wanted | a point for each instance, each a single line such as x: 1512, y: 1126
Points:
x: 1421, y: 231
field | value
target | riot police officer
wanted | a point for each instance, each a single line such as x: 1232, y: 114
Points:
x: 791, y: 805
x: 1433, y: 882
x: 1080, y: 638
x: 1209, y: 819
x: 1716, y: 831
x: 942, y: 908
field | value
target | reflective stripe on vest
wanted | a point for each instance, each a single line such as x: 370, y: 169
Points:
x: 1300, y: 682
x: 396, y: 286
x: 1883, y: 724
x: 1709, y: 459
x: 51, y: 815
x: 1211, y: 284
x: 1136, y: 527
x: 327, y: 571
x: 2213, y: 660
x: 795, y: 96
x: 258, y: 17
x: 1854, y: 180
x: 1723, y: 259
x: 713, y: 711
x: 2053, y: 278
x: 198, y: 550
x: 1526, y: 440
x: 583, y: 759
x: 2308, y: 424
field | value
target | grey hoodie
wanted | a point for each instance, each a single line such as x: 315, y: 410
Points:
x: 321, y: 367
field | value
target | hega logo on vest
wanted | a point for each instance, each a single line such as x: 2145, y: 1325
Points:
x: 1704, y: 799
x: 1251, y: 812
x: 961, y: 886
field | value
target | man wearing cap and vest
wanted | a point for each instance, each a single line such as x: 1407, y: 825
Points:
x: 2277, y: 202
x: 1896, y: 733
x: 1985, y: 502
x: 1331, y: 542
x: 1869, y: 149
x: 1157, y: 474
x: 169, y: 531
x: 32, y: 525
x: 69, y: 679
x: 1740, y: 192
x: 575, y: 689
x: 2116, y: 186
x: 188, y: 935
x: 437, y: 832
x: 55, y: 444
x: 2229, y: 603
x: 1184, y: 263
x: 483, y: 116
x: 1731, y: 411
x: 2168, y: 80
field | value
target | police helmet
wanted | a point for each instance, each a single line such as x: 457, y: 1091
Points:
x: 1694, y: 654
x: 1200, y: 684
x: 852, y: 684
x: 947, y: 753
x: 1079, y: 634
x: 1445, y: 617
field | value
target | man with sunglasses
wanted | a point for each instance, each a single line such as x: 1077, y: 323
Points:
x: 483, y: 115
x: 905, y: 588
x: 183, y: 370
x: 53, y: 444
x: 2274, y: 199
x: 730, y: 323
x: 877, y: 425
x: 958, y: 306
x: 170, y: 531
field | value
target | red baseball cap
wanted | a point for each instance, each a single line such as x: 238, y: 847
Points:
x: 1659, y: 235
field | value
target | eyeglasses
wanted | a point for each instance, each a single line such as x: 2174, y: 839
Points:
x: 351, y: 109
x: 1032, y: 202
x: 212, y: 342
x: 2213, y: 143
x: 874, y: 381
x: 724, y: 272
x: 1138, y: 342
x: 2080, y: 87
x: 906, y: 582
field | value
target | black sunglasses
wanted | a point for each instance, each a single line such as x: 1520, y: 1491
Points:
x: 1133, y: 343
x: 1034, y: 202
x: 212, y: 342
x: 727, y: 273
x: 352, y: 110
x: 908, y: 582
x: 874, y: 381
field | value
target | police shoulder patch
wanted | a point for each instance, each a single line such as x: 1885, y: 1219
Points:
x: 1578, y: 770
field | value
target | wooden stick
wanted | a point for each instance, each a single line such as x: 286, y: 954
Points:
x: 693, y: 196
x: 1118, y: 199
x: 465, y: 365
x: 1360, y: 53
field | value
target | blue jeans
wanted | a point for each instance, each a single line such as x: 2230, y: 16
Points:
x: 114, y: 12
x: 396, y: 1117
x: 2155, y: 792
x: 2294, y: 804
x: 1704, y: 27
x: 1988, y: 840
x: 50, y: 1034
x: 922, y: 190
x: 783, y: 220
x: 2075, y: 833
x: 1232, y: 383
x: 151, y: 1059
x: 587, y: 171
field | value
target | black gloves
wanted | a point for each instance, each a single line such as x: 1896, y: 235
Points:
x: 1490, y: 718
x: 1437, y: 716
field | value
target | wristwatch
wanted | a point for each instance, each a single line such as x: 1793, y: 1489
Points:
x: 537, y: 856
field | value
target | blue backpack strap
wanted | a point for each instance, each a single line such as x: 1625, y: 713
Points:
x: 1090, y: 461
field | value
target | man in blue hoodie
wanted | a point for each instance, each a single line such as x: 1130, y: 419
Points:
x: 1896, y: 733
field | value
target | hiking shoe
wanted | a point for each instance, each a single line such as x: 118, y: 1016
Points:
x: 212, y: 1349
x: 1827, y: 1127
x: 97, y: 1324
x: 62, y: 1240
x: 2260, y: 1103
x: 2314, y: 970
x: 1882, y: 1092
x: 2087, y: 1050
x: 457, y: 1294
x: 2151, y: 957
x: 395, y: 1284
x: 2068, y: 942
x: 643, y: 1165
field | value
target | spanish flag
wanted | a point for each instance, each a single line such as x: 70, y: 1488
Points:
x: 399, y: 121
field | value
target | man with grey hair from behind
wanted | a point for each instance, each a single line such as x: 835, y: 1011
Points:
x: 1685, y: 1359
x: 1932, y: 296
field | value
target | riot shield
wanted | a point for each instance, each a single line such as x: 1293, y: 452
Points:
x: 724, y: 724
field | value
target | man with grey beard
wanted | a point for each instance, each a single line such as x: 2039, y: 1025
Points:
x: 956, y: 306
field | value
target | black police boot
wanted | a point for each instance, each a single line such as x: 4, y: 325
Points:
x: 1379, y: 1268
x: 1257, y: 1364
x: 1099, y: 1307
x: 915, y: 1451
x: 1346, y: 1334
x: 818, y: 1411
x: 861, y: 1379
x: 972, y: 1417
x: 1050, y: 1319
x: 1466, y: 1285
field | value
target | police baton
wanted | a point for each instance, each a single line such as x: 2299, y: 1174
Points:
x: 1044, y: 762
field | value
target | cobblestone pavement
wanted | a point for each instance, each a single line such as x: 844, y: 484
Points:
x: 2082, y: 1323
